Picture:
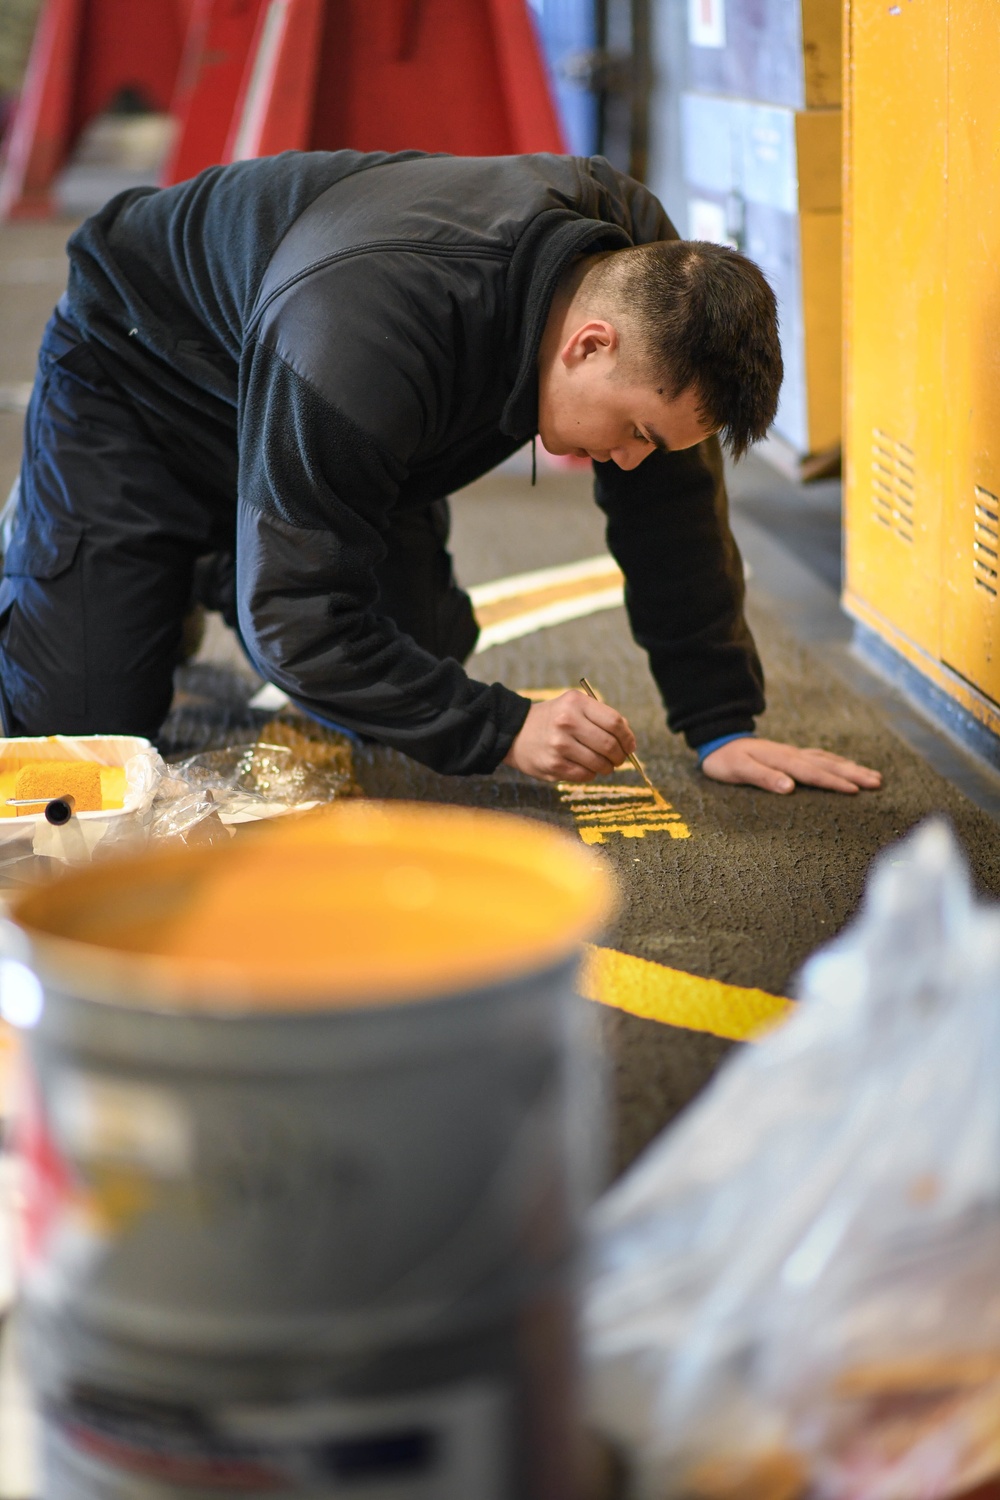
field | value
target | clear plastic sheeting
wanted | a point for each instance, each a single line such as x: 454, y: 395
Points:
x: 202, y: 797
x: 796, y: 1290
x: 289, y: 769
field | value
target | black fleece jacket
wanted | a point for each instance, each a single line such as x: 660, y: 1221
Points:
x: 319, y: 337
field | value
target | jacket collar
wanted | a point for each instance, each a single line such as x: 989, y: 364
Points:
x: 550, y: 243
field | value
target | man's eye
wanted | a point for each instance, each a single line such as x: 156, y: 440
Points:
x: 641, y: 436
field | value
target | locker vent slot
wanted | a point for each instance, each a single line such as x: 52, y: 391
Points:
x: 892, y: 484
x: 986, y: 541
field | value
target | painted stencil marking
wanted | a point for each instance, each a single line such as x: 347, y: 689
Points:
x: 631, y: 811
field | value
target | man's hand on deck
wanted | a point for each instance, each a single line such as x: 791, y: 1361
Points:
x: 571, y: 738
x: 777, y: 767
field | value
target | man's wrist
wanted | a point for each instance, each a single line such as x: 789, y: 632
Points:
x: 705, y: 750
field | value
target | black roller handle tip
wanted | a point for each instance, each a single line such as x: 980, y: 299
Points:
x: 60, y: 810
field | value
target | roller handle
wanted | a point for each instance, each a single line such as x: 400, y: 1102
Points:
x: 58, y: 810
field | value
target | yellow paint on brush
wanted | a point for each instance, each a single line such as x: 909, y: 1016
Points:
x: 674, y: 998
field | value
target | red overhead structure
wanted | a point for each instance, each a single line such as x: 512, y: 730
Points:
x: 281, y: 85
x: 219, y: 44
x: 441, y: 75
x: 85, y: 54
x: 253, y: 77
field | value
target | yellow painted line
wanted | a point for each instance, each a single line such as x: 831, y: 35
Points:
x: 541, y: 599
x: 658, y: 993
x: 600, y: 571
x: 526, y: 621
x: 509, y: 608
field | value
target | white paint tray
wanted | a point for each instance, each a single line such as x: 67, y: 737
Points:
x: 143, y: 769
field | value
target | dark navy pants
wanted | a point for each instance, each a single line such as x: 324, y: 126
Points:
x: 100, y: 567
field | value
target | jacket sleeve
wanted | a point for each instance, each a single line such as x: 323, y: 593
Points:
x: 668, y: 529
x: 314, y: 493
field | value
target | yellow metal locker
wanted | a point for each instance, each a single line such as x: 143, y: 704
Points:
x: 818, y: 146
x: 896, y: 161
x: 922, y: 299
x: 970, y: 559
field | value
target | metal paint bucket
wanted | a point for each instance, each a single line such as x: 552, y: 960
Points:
x: 305, y: 1139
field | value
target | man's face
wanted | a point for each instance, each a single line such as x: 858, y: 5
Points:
x: 588, y: 405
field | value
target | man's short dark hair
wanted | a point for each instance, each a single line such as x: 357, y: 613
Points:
x: 707, y: 321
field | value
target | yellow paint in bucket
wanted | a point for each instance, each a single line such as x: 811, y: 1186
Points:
x: 359, y: 903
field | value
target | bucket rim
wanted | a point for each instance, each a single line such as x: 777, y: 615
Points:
x: 57, y: 964
x: 137, y: 981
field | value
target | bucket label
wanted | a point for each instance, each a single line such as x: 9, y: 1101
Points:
x: 447, y: 1443
x: 48, y: 1188
x: 110, y: 1120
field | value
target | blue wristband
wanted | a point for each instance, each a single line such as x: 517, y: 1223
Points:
x: 724, y: 739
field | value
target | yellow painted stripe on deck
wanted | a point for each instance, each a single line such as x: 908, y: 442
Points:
x: 524, y: 603
x: 658, y: 993
x: 570, y: 592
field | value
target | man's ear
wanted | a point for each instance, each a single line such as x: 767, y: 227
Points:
x: 595, y: 337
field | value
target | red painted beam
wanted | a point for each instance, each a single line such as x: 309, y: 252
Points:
x: 220, y: 39
x: 466, y: 76
x: 42, y: 122
x: 276, y: 104
x: 442, y: 92
x: 532, y: 117
x: 84, y: 53
x: 127, y: 44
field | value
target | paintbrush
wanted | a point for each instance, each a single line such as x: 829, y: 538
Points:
x: 633, y: 759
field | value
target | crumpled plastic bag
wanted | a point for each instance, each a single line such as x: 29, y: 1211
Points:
x: 796, y: 1289
x: 204, y: 795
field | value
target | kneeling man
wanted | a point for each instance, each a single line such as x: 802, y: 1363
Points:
x: 288, y: 364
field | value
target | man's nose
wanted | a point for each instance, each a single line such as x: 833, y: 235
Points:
x: 629, y: 455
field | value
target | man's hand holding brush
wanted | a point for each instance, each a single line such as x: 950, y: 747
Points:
x: 571, y: 738
x: 576, y: 737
